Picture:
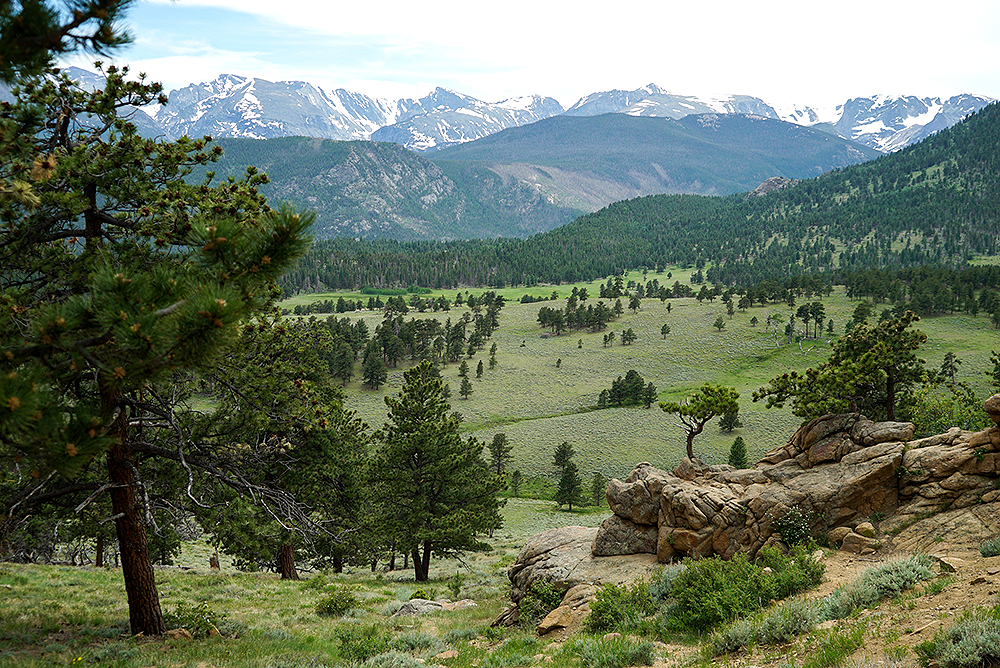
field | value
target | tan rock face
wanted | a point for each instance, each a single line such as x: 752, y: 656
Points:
x: 617, y: 535
x: 838, y: 469
x: 992, y: 408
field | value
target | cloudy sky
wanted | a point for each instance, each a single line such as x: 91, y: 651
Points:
x: 814, y: 52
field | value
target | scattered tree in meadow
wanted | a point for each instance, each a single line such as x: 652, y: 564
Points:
x: 563, y: 454
x: 629, y: 336
x: 479, y: 369
x: 500, y: 449
x: 570, y: 489
x: 699, y: 408
x: 465, y: 388
x: 730, y: 421
x: 720, y: 323
x: 738, y: 454
x: 516, y: 480
x: 433, y: 491
x: 373, y: 370
x: 949, y: 367
x: 598, y: 485
x: 664, y: 330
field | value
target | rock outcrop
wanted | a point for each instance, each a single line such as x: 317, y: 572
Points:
x: 836, y: 471
x: 838, y: 476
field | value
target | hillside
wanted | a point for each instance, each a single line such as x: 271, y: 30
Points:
x: 590, y: 161
x: 934, y: 202
x: 376, y: 190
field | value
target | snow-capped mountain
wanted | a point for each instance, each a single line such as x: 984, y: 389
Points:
x: 885, y: 123
x: 445, y: 118
x: 891, y: 123
x: 236, y: 106
x: 652, y: 100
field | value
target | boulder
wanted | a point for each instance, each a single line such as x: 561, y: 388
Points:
x: 866, y: 529
x: 417, y: 606
x: 562, y: 557
x: 617, y: 535
x: 858, y: 544
x: 992, y: 408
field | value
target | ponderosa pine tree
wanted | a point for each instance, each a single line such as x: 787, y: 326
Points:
x: 870, y: 369
x: 432, y: 490
x: 695, y: 412
x: 570, y: 489
x: 116, y: 274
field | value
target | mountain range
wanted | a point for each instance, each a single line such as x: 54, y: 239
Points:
x: 235, y: 106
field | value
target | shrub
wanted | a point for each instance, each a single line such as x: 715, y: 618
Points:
x: 413, y: 641
x: 517, y: 651
x: 421, y: 594
x: 875, y: 584
x: 616, y: 608
x: 774, y: 626
x: 795, y: 526
x: 199, y: 619
x: 990, y: 548
x: 455, y: 585
x: 360, y: 642
x: 392, y: 660
x: 338, y: 601
x: 453, y: 636
x: 662, y: 582
x: 711, y: 591
x: 612, y: 653
x: 974, y: 640
x: 540, y: 599
x: 794, y: 573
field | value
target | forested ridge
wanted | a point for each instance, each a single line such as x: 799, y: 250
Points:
x: 934, y: 203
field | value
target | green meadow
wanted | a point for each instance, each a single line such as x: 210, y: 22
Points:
x: 544, y: 388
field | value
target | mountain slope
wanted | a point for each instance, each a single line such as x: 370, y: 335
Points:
x: 377, y: 190
x: 588, y: 162
x: 935, y: 202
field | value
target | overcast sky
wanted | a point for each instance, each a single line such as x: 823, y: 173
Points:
x: 813, y: 52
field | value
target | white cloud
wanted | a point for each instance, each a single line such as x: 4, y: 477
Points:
x: 781, y: 50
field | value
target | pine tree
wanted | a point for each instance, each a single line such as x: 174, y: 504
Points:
x: 563, y: 454
x: 699, y: 408
x: 598, y: 486
x: 465, y: 389
x: 570, y: 488
x: 433, y: 491
x: 373, y: 370
x: 117, y: 275
x: 500, y: 449
x: 738, y: 454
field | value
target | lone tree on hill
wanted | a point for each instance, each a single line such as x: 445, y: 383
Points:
x: 117, y: 275
x: 434, y: 492
x: 699, y: 408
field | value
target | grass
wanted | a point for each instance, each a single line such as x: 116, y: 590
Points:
x: 539, y: 405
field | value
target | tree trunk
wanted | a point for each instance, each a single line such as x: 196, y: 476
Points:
x: 99, y: 552
x: 145, y: 615
x: 286, y: 562
x: 419, y: 573
x: 338, y: 564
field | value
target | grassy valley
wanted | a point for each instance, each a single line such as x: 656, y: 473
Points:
x: 544, y: 388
